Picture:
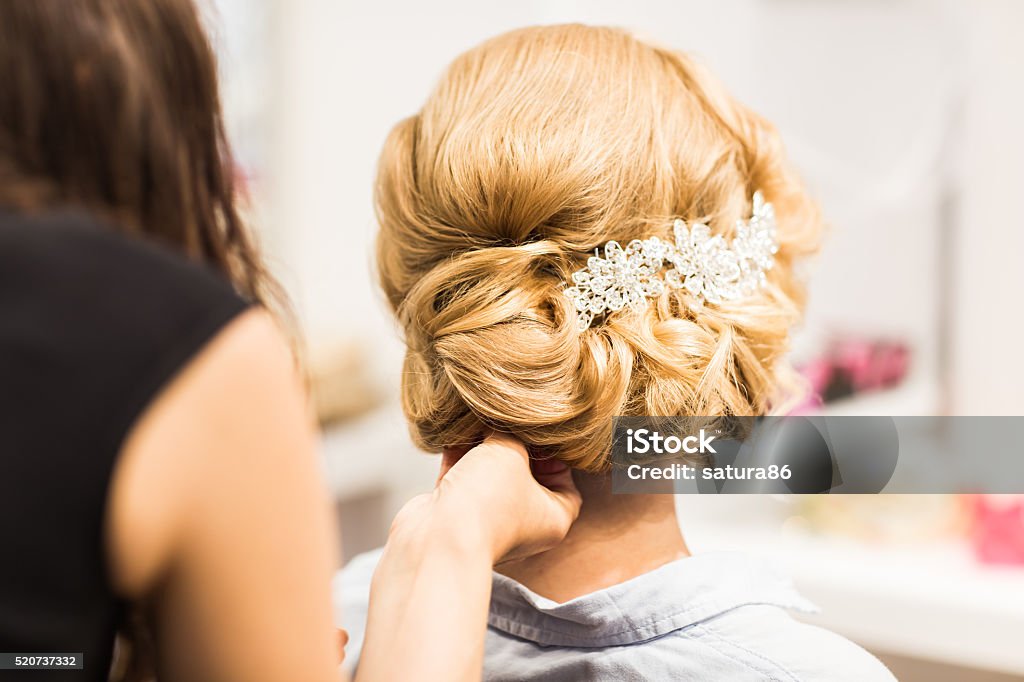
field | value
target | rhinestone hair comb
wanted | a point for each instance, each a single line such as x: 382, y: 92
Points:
x: 705, y: 265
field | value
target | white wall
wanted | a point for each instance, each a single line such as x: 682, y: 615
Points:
x: 866, y: 94
x: 989, y: 324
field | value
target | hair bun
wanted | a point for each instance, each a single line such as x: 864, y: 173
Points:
x: 535, y: 148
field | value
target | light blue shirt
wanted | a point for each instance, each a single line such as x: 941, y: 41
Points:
x: 714, y: 616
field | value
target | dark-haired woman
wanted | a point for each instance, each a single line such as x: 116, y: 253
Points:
x: 157, y: 463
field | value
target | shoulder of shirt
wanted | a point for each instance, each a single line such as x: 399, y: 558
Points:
x: 358, y: 572
x: 771, y: 639
x: 351, y: 596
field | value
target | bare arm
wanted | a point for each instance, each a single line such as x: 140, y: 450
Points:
x: 219, y: 520
x: 431, y: 590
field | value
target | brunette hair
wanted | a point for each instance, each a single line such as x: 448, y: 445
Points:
x: 113, y: 106
x: 537, y: 147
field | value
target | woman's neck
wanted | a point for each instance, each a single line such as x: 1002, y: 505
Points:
x: 615, y: 538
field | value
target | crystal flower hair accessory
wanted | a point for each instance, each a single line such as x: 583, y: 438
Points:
x: 705, y: 265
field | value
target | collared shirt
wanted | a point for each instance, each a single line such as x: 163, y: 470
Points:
x: 713, y: 616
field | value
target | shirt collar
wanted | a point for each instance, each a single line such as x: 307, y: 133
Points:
x: 671, y: 597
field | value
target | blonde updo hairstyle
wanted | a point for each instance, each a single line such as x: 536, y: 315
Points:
x: 537, y: 147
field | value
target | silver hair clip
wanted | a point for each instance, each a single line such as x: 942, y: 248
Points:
x: 706, y: 266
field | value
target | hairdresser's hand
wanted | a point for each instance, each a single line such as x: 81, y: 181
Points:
x: 342, y: 643
x: 527, y: 505
x: 430, y: 593
x: 492, y: 495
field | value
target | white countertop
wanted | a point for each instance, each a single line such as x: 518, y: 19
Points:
x: 932, y: 601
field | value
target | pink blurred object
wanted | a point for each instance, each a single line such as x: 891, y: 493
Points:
x: 817, y: 372
x: 811, y: 404
x: 853, y: 365
x: 871, y: 365
x: 997, y: 532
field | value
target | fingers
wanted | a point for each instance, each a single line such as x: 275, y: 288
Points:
x: 497, y: 442
x: 556, y: 477
x: 342, y: 642
x: 506, y: 440
x: 562, y: 490
x: 528, y: 503
x: 553, y: 474
x: 450, y: 457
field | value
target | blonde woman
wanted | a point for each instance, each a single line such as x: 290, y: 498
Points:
x: 536, y: 149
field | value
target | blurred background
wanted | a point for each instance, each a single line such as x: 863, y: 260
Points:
x: 904, y: 118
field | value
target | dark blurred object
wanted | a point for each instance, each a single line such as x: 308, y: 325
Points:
x: 851, y: 366
x: 997, y: 528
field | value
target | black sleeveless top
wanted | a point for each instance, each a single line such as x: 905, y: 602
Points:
x: 92, y: 325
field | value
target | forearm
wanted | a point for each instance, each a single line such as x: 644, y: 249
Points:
x: 429, y: 600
